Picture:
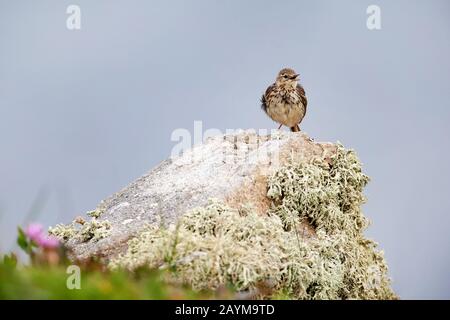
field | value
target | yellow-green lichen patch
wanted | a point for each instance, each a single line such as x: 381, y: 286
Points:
x: 82, y: 230
x: 94, y: 213
x: 218, y: 245
x: 326, y: 194
x: 63, y: 232
x: 95, y: 230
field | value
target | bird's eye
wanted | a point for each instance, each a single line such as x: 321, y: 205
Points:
x: 285, y: 76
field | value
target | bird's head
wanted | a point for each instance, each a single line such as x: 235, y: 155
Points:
x: 287, y: 77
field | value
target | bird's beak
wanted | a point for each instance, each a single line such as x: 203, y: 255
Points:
x: 295, y: 76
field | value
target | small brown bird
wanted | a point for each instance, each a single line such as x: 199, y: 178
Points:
x: 285, y: 100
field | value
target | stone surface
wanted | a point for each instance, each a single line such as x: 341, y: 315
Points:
x: 233, y: 168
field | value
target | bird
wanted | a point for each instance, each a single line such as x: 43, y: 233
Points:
x: 285, y: 100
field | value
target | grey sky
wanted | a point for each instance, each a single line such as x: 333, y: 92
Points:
x: 83, y: 113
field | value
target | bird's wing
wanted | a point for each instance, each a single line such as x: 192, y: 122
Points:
x: 302, y: 95
x: 264, y: 97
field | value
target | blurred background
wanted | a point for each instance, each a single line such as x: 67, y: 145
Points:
x: 85, y: 112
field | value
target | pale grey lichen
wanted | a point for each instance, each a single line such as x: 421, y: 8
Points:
x: 217, y: 245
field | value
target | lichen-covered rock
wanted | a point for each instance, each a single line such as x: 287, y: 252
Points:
x: 244, y: 209
x: 233, y: 168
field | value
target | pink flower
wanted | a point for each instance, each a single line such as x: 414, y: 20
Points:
x: 34, y: 231
x: 48, y: 242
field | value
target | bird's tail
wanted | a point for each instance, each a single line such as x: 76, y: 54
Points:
x: 295, y: 128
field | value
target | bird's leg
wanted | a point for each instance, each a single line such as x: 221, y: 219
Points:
x: 280, y: 126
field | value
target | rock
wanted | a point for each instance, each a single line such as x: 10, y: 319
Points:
x: 233, y: 168
x: 270, y: 214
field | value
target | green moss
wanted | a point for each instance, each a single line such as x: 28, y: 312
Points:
x: 217, y: 245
